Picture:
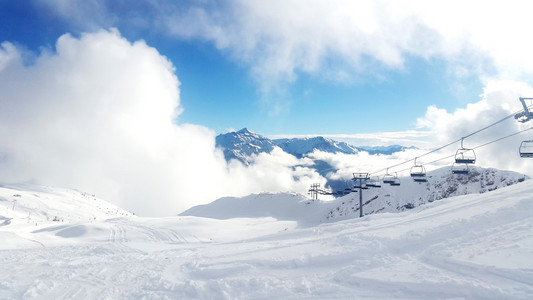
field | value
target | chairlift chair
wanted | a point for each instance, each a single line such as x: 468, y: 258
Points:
x: 464, y: 155
x: 420, y: 179
x: 418, y: 173
x: 373, y: 182
x: 526, y: 149
x: 393, y: 180
x: 360, y: 184
x: 396, y: 182
x: 459, y: 168
x: 388, y: 178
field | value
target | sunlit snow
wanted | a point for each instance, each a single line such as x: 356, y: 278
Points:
x: 477, y: 246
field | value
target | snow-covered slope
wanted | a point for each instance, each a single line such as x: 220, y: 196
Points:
x: 441, y: 184
x: 37, y: 204
x: 281, y: 206
x: 242, y: 144
x: 301, y: 146
x: 30, y: 208
x: 477, y: 246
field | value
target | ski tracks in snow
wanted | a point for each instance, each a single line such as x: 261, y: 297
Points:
x: 117, y: 234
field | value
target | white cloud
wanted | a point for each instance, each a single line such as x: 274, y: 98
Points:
x: 362, y: 162
x: 500, y: 99
x: 417, y: 138
x: 100, y: 115
x: 337, y: 38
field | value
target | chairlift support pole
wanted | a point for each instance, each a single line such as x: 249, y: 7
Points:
x: 313, y: 190
x: 359, y: 181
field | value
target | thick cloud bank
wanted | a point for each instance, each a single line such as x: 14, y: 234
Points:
x: 99, y: 114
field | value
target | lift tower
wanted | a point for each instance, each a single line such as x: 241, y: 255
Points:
x: 359, y: 180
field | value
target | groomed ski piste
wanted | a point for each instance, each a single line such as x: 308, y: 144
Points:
x: 63, y: 244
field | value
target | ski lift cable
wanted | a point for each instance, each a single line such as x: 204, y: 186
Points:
x: 450, y: 143
x: 507, y: 136
x: 479, y: 146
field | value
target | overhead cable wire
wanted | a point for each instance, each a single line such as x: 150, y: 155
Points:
x: 450, y: 143
x: 477, y: 147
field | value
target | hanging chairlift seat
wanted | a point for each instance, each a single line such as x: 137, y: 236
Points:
x: 418, y: 171
x: 465, y: 156
x: 526, y: 149
x: 420, y: 179
x: 373, y: 182
x: 388, y: 178
x: 391, y: 179
x: 360, y: 184
x: 460, y: 168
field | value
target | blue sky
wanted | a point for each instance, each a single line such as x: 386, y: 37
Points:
x: 125, y: 100
x: 223, y: 82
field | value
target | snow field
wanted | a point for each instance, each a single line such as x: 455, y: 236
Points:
x: 478, y: 246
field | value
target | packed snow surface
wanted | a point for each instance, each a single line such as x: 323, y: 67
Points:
x: 478, y: 246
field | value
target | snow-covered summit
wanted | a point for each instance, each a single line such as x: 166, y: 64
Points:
x: 301, y: 146
x: 242, y: 144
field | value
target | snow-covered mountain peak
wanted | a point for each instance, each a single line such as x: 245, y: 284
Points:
x: 245, y: 131
x: 242, y: 144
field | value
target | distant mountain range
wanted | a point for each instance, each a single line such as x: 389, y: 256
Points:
x: 242, y: 144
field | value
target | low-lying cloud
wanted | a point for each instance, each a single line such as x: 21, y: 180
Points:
x: 100, y: 114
